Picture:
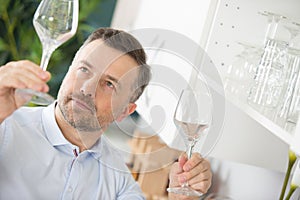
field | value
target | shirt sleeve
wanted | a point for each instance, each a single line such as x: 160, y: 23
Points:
x: 130, y: 189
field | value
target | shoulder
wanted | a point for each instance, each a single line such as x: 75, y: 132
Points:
x: 26, y: 115
x: 113, y: 165
x: 111, y: 156
x: 16, y: 128
x: 112, y: 160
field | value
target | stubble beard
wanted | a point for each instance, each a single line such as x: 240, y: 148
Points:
x: 83, y: 121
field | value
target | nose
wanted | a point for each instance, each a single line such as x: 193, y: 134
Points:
x: 88, y: 88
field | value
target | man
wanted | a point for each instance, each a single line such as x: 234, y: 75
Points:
x: 57, y: 152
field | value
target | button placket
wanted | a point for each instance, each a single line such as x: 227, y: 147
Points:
x: 70, y: 189
x: 73, y: 177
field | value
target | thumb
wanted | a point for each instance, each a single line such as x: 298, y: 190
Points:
x: 177, y: 169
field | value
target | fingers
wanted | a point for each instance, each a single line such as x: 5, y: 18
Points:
x: 192, y: 162
x: 34, y: 70
x: 24, y: 74
x: 31, y: 67
x: 202, y: 186
x: 172, y: 196
x: 197, y: 173
x: 198, y: 176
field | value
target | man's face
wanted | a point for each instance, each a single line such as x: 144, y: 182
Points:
x: 97, y: 87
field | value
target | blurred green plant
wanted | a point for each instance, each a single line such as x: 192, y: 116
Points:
x: 18, y: 39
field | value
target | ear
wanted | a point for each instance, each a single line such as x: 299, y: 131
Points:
x: 130, y: 108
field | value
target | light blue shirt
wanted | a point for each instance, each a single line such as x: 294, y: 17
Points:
x: 37, y: 162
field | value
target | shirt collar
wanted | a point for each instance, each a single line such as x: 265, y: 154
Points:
x: 97, y: 149
x: 55, y: 135
x: 52, y: 130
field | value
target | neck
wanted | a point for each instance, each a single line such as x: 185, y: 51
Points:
x: 84, y: 140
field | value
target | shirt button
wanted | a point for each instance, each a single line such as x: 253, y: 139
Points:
x: 70, y: 189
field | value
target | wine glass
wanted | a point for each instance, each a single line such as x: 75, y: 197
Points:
x: 292, y: 68
x: 267, y: 88
x: 55, y: 22
x: 275, y: 30
x: 239, y: 74
x: 193, y: 116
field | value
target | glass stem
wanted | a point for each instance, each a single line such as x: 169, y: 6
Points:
x: 47, y: 52
x: 190, y: 149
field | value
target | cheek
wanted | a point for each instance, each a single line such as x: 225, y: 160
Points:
x: 106, y: 105
x: 67, y: 85
x: 120, y: 99
x: 72, y: 82
x: 102, y: 102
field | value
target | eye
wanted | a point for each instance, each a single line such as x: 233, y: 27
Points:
x: 110, y: 84
x: 84, y: 69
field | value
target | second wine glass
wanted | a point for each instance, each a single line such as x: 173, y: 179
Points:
x: 55, y: 22
x: 193, y: 117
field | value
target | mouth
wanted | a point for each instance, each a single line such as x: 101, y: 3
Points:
x: 82, y: 105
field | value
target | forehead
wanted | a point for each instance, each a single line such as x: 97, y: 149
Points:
x: 97, y: 52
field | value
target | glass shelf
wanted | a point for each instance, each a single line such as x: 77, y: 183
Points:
x: 275, y: 129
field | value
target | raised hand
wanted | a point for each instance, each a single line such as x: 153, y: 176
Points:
x: 196, y: 171
x: 18, y: 75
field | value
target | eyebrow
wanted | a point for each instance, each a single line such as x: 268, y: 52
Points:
x: 112, y: 78
x: 87, y: 63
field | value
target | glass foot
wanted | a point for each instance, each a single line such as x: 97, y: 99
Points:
x: 187, y: 191
x: 38, y: 98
